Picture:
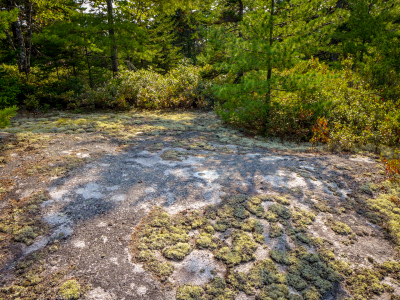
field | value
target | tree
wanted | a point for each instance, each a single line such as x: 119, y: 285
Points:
x: 32, y: 14
x: 111, y: 32
x: 272, y: 36
x: 6, y: 19
x: 370, y: 35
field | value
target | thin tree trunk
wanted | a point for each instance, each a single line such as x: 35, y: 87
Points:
x: 241, y: 14
x: 19, y: 44
x: 89, y: 68
x: 111, y: 32
x: 271, y: 41
x: 58, y: 75
x: 29, y: 49
x: 9, y: 38
x: 73, y: 65
x: 16, y: 26
x: 240, y: 74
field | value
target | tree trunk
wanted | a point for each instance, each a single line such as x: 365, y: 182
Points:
x: 29, y: 41
x: 19, y: 44
x: 271, y: 41
x: 89, y: 68
x: 16, y: 26
x: 240, y: 74
x: 10, y: 40
x: 111, y: 32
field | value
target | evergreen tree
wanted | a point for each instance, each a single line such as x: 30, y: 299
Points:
x: 31, y: 17
x: 272, y: 36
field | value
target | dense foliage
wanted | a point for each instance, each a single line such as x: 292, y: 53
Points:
x: 325, y: 71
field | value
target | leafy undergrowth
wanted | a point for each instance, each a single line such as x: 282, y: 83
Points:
x: 305, y: 269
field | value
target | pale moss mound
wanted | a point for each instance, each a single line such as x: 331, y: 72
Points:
x: 70, y: 290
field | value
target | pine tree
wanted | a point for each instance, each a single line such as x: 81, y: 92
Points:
x: 6, y: 114
x: 272, y: 36
x: 370, y: 36
x: 31, y: 17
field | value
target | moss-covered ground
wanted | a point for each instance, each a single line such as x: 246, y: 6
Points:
x: 305, y: 268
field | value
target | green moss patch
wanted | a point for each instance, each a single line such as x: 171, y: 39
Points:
x: 174, y: 155
x: 70, y: 290
x: 302, y: 219
x: 178, y: 251
x: 189, y: 292
x: 388, y: 205
x: 234, y: 232
x: 280, y: 211
x: 338, y: 227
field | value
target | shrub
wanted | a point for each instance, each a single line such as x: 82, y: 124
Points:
x: 392, y: 165
x: 181, y: 87
x: 313, y: 102
x: 6, y: 114
x: 10, y: 87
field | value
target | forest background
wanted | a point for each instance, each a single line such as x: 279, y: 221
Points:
x: 325, y: 71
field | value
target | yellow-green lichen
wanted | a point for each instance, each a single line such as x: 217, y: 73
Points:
x: 255, y: 208
x: 310, y: 275
x: 301, y: 219
x: 70, y: 290
x: 388, y: 204
x: 218, y: 289
x: 280, y: 210
x: 178, y: 251
x: 244, y: 244
x: 365, y: 283
x: 228, y: 256
x: 205, y: 240
x: 160, y: 232
x: 189, y: 292
x: 275, y: 231
x: 264, y: 273
x: 242, y: 249
x: 274, y: 292
x: 281, y: 199
x: 281, y: 257
x: 174, y: 155
x: 338, y: 227
x: 25, y: 235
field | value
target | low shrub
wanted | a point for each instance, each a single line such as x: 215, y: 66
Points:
x: 313, y: 102
x: 11, y: 86
x: 392, y: 165
x: 6, y: 114
x: 182, y: 87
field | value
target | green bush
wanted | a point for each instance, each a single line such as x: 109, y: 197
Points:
x: 6, y: 114
x: 352, y: 113
x: 39, y: 91
x: 10, y: 87
x: 181, y: 87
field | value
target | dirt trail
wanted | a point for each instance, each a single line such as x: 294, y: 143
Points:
x: 121, y: 166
